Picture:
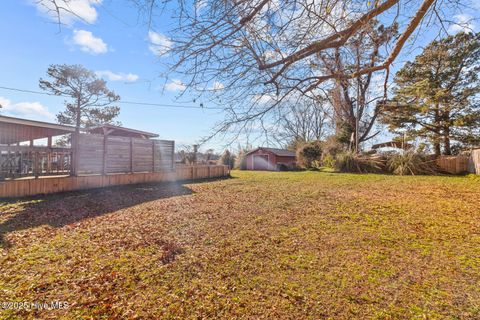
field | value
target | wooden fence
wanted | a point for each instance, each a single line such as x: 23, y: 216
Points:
x: 47, y: 185
x: 474, y: 162
x: 114, y: 154
x: 453, y: 164
x: 460, y: 164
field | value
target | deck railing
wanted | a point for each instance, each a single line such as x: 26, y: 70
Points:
x: 25, y: 161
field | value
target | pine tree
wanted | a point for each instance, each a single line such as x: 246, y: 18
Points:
x: 436, y: 95
x: 227, y: 159
x: 91, y: 99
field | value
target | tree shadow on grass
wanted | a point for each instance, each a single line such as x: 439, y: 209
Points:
x: 59, y: 210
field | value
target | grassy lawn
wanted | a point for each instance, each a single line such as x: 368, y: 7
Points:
x: 300, y: 245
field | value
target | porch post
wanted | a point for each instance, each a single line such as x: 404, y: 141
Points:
x: 49, y: 155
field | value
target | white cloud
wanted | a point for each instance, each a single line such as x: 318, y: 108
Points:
x: 159, y: 43
x: 70, y: 10
x: 475, y: 4
x: 88, y: 42
x: 200, y: 4
x: 263, y: 99
x: 33, y: 110
x: 217, y: 86
x: 462, y: 23
x: 112, y: 76
x: 272, y: 55
x: 175, y: 85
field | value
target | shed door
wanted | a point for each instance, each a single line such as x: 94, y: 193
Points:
x: 260, y: 162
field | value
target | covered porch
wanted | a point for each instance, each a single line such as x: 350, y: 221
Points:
x: 27, y: 149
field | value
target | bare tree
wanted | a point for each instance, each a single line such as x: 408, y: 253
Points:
x: 304, y: 120
x: 251, y: 55
x: 265, y: 51
x: 354, y: 101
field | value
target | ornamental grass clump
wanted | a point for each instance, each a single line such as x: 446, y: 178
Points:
x: 356, y: 163
x: 411, y: 163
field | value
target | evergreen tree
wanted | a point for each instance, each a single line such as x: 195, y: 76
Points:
x: 227, y: 159
x: 91, y: 99
x: 437, y: 95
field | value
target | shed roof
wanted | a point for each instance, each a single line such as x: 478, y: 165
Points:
x: 13, y: 130
x: 277, y: 152
x: 121, y: 131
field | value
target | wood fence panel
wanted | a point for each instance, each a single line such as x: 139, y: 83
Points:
x: 90, y: 154
x: 474, y: 164
x: 122, y: 154
x: 184, y: 172
x: 164, y: 155
x: 142, y: 155
x: 47, y: 185
x: 118, y: 154
x: 453, y: 164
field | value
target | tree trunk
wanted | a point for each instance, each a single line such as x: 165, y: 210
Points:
x: 79, y: 116
x: 446, y: 141
x: 437, y: 135
x: 436, y: 148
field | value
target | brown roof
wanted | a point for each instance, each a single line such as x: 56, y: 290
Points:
x: 13, y: 130
x: 121, y: 131
x: 277, y: 152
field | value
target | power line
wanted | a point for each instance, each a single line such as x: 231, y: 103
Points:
x: 26, y: 91
x: 120, y: 102
x: 168, y: 105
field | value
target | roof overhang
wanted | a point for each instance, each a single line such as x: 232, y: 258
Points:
x: 15, y: 130
x: 121, y: 131
x: 277, y: 152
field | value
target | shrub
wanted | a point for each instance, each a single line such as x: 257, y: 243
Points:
x: 410, y: 163
x: 309, y: 154
x: 328, y: 161
x: 332, y: 146
x: 355, y: 163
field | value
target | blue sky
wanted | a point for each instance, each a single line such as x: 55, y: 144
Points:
x: 116, y: 43
x: 113, y: 40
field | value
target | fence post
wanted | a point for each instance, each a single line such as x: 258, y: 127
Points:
x: 173, y: 156
x: 131, y: 155
x: 153, y: 155
x: 105, y: 153
x: 209, y: 175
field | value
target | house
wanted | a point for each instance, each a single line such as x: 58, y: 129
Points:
x: 270, y: 159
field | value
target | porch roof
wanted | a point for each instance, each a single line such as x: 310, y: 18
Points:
x: 122, y: 131
x: 14, y: 130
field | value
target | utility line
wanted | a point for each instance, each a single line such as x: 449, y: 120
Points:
x: 120, y: 101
